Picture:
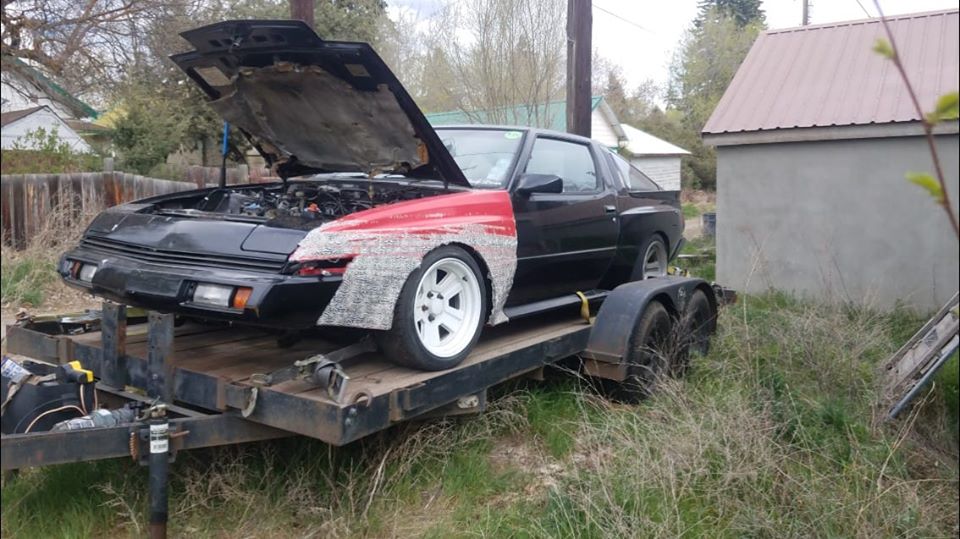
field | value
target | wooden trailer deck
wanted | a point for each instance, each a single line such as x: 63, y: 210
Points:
x: 210, y: 368
x: 234, y: 354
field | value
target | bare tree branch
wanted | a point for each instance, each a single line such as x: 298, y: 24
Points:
x: 77, y: 42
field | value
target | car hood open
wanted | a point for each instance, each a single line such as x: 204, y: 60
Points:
x: 310, y: 105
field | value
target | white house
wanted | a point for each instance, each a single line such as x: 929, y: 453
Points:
x: 604, y: 125
x: 24, y: 87
x: 18, y: 123
x: 655, y: 157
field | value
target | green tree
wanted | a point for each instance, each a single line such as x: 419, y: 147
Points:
x: 743, y: 12
x: 702, y: 68
x: 163, y: 111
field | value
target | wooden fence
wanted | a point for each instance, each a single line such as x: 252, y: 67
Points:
x: 30, y: 201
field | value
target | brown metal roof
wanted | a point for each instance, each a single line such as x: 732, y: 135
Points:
x: 14, y: 115
x: 829, y: 75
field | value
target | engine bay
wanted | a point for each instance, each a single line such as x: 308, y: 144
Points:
x: 295, y: 204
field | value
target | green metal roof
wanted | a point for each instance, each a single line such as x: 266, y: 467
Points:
x: 552, y: 115
x: 57, y: 92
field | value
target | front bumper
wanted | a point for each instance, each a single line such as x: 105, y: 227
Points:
x: 277, y: 301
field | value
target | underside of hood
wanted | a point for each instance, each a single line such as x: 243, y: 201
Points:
x: 310, y: 105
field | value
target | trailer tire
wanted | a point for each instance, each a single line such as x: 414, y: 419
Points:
x: 648, y: 358
x: 421, y: 308
x: 697, y: 326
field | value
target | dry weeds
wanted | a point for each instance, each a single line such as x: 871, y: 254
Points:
x: 30, y: 280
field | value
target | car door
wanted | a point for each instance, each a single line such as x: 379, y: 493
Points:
x: 565, y: 241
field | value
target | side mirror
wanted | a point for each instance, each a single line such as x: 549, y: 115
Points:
x: 539, y: 183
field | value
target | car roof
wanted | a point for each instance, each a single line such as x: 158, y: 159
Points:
x: 528, y: 129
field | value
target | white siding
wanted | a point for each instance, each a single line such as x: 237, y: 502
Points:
x: 48, y: 121
x: 663, y: 170
x: 601, y: 130
x: 18, y: 94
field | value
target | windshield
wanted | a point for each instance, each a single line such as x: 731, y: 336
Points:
x: 484, y: 155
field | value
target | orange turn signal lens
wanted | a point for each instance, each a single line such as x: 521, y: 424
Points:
x: 241, y: 296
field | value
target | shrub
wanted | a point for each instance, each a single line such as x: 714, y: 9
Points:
x: 41, y: 151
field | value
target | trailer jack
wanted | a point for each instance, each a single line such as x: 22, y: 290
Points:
x: 157, y: 435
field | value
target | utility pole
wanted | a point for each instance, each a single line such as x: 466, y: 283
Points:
x: 302, y: 10
x: 579, y: 52
x: 806, y: 12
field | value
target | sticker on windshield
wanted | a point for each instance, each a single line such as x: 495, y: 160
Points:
x: 512, y: 135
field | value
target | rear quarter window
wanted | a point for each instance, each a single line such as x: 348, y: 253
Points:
x: 631, y: 176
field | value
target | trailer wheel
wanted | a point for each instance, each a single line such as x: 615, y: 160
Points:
x: 648, y: 359
x: 439, y: 314
x: 697, y: 326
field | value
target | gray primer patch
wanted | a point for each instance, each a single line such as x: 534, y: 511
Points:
x: 385, y: 258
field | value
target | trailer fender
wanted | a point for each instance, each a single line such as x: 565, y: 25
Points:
x: 620, y: 312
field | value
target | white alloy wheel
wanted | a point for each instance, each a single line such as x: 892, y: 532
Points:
x: 655, y: 260
x: 447, y: 307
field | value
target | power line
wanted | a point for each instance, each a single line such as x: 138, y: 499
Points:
x: 628, y: 21
x: 868, y: 14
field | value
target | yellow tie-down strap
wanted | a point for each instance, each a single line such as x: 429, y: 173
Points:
x: 584, y: 307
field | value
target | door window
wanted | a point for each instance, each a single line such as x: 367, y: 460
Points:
x: 572, y: 162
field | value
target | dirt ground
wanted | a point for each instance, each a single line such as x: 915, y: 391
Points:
x: 693, y: 228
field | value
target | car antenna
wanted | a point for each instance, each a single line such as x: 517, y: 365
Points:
x: 223, y: 150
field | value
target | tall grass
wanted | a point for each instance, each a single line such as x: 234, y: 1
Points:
x: 773, y: 434
x: 29, y: 275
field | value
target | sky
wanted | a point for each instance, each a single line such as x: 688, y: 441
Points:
x: 644, y: 46
x: 641, y: 35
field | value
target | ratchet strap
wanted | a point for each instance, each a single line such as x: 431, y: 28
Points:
x: 584, y: 307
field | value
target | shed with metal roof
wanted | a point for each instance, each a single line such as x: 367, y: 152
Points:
x: 814, y: 137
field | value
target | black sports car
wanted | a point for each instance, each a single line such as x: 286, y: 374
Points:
x: 380, y: 222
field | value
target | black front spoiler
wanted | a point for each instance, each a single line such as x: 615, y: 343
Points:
x: 276, y: 301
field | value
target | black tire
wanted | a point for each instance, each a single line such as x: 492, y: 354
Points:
x: 648, y: 359
x: 401, y: 344
x: 697, y: 326
x: 653, y: 241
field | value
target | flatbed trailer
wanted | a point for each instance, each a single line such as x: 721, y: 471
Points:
x: 203, y: 386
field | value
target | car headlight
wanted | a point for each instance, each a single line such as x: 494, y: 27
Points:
x: 212, y: 294
x: 86, y: 272
x: 218, y: 295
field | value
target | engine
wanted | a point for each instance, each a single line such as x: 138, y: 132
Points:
x: 303, y: 201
